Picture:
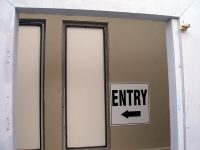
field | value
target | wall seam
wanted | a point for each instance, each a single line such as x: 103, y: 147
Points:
x: 181, y: 14
x: 10, y: 3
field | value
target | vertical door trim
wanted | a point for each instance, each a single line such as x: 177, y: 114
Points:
x: 176, y: 85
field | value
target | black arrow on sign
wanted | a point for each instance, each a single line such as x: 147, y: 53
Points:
x: 128, y: 114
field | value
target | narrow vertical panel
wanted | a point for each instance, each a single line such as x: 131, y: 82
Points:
x: 8, y: 32
x: 28, y: 88
x: 190, y: 44
x: 86, y: 125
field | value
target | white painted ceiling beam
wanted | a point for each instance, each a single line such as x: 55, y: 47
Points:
x: 172, y: 8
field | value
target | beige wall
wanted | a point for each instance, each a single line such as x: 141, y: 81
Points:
x: 137, y: 54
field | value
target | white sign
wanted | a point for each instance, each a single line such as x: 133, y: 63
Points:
x: 129, y: 103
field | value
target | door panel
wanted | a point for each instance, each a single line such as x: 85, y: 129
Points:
x: 85, y: 87
x: 28, y: 88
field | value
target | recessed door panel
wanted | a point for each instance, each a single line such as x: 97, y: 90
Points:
x: 28, y: 88
x: 86, y: 116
